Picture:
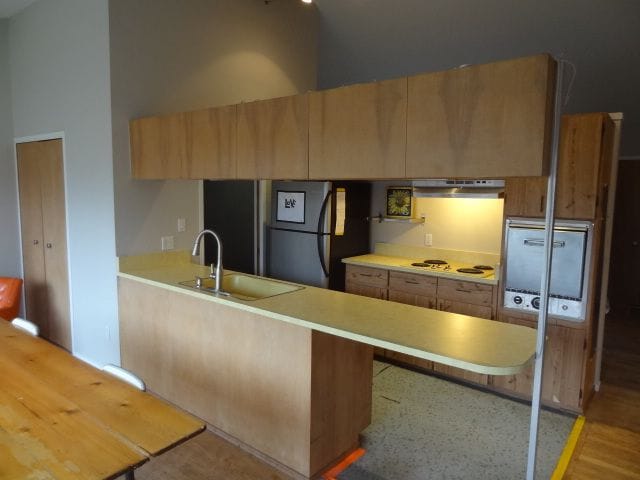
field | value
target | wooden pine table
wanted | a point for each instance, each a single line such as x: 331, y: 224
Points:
x: 62, y: 419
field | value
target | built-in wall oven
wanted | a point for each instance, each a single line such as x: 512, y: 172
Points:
x: 524, y: 258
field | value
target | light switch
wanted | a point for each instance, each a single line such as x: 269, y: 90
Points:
x: 182, y: 224
x: 428, y: 239
x: 167, y: 242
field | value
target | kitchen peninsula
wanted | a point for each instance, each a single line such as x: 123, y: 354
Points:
x: 287, y: 376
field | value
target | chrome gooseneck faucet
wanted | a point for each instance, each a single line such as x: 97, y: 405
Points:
x: 217, y: 274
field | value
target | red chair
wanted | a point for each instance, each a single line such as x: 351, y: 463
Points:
x: 10, y: 290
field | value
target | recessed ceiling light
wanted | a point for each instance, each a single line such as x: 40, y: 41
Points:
x: 307, y: 1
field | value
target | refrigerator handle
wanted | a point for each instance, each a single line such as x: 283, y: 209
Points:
x: 320, y: 234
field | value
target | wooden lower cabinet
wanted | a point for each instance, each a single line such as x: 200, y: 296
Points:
x: 365, y: 290
x: 481, y: 311
x: 562, y: 372
x: 420, y: 301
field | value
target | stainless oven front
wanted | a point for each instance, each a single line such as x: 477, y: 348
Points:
x: 524, y: 249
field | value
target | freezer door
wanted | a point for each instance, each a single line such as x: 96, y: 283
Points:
x: 297, y: 205
x: 293, y: 256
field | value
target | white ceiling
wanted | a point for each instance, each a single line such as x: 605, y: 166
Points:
x: 9, y: 8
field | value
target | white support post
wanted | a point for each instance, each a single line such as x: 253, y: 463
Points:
x: 546, y: 276
x: 606, y: 250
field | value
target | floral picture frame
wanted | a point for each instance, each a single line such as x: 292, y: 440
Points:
x: 399, y: 202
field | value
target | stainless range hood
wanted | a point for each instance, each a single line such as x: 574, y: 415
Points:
x: 443, y: 188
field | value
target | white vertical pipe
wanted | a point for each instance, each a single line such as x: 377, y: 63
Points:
x: 546, y: 277
x: 606, y: 251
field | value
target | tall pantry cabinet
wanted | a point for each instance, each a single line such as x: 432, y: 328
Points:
x: 44, y: 244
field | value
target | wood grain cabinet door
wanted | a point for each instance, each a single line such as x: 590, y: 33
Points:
x: 359, y: 131
x: 584, y: 166
x: 195, y: 145
x: 490, y: 120
x: 273, y: 138
x: 210, y: 137
x: 158, y: 146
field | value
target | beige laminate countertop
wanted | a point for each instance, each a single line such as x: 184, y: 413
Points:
x: 474, y: 344
x: 402, y: 264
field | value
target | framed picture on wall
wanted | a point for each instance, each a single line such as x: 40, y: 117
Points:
x: 290, y: 207
x: 399, y: 202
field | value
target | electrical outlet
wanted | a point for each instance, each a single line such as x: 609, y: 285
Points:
x: 428, y: 239
x: 167, y: 242
x: 182, y: 224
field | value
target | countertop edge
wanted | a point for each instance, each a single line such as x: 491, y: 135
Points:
x: 253, y: 307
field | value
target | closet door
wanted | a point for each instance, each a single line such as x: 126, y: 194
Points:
x: 42, y: 213
x: 35, y: 279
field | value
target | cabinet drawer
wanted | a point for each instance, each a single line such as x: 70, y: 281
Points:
x: 412, y: 283
x: 467, y: 292
x: 374, y: 277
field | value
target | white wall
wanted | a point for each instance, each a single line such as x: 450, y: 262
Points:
x: 59, y: 52
x: 471, y: 225
x: 9, y: 236
x: 168, y: 56
x: 362, y: 40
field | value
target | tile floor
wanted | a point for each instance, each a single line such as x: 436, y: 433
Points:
x: 427, y: 428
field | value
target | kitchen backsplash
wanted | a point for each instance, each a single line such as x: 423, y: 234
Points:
x: 454, y: 223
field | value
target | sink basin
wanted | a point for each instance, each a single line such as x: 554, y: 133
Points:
x: 245, y: 287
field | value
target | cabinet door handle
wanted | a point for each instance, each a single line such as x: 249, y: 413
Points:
x: 463, y: 290
x: 411, y: 282
x: 36, y: 242
x: 365, y: 275
x: 49, y: 245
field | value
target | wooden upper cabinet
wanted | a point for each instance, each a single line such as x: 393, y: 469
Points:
x: 158, y: 146
x: 490, y: 120
x: 198, y: 144
x: 358, y: 131
x: 273, y: 138
x: 211, y: 143
x: 584, y: 168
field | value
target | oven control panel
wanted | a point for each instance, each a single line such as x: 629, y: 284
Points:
x: 567, y: 308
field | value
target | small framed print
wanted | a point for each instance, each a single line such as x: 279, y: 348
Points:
x: 290, y: 207
x: 399, y: 202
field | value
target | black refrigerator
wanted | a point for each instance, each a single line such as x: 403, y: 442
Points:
x: 313, y: 226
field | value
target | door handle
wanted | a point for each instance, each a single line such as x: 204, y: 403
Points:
x: 49, y: 245
x: 534, y: 242
x: 36, y: 242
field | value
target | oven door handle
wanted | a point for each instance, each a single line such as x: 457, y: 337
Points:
x: 534, y: 242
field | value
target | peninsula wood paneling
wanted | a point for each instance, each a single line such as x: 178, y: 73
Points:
x: 358, y: 131
x: 252, y: 377
x: 273, y: 138
x: 490, y: 120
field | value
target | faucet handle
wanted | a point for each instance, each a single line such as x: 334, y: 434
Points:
x: 212, y: 274
x: 198, y: 282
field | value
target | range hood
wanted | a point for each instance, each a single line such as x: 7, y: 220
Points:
x: 458, y: 188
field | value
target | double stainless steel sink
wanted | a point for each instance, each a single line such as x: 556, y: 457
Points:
x: 243, y: 287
